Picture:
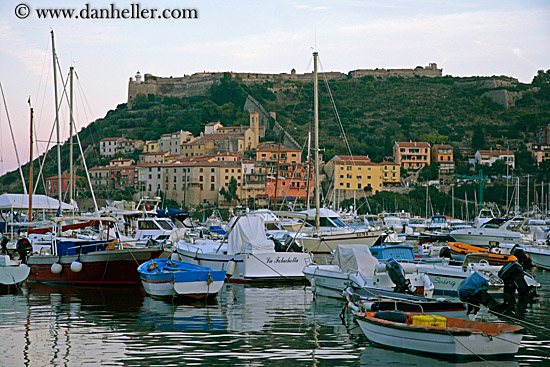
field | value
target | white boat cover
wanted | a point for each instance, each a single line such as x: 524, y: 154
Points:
x: 248, y: 236
x: 353, y: 258
x: 21, y: 201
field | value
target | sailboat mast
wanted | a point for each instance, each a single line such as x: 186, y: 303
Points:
x: 54, y: 56
x: 71, y: 172
x: 316, y: 136
x: 30, y: 170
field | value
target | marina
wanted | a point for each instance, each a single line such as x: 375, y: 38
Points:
x: 246, y: 325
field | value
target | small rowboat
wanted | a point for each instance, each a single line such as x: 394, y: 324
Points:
x: 165, y: 277
x: 440, y: 335
x: 480, y: 253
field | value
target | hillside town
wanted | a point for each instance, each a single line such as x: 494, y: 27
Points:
x: 227, y: 165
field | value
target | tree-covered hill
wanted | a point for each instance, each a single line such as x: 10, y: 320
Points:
x: 374, y: 114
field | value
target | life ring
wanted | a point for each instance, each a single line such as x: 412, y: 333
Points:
x: 145, y: 206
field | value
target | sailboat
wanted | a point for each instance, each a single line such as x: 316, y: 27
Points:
x: 85, y: 261
x: 327, y: 230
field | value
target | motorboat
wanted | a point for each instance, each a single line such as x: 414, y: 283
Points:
x: 246, y: 255
x: 453, y: 337
x: 355, y: 266
x: 496, y: 230
x: 169, y: 278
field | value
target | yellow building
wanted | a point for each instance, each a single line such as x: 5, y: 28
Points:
x: 358, y: 172
x: 151, y: 146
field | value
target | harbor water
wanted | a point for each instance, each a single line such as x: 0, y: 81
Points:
x: 246, y: 325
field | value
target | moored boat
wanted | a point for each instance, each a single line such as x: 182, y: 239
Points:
x: 440, y: 335
x: 165, y: 277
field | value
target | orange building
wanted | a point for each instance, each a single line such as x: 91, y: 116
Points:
x: 443, y: 155
x: 411, y: 154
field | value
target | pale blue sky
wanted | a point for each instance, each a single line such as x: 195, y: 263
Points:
x: 463, y: 37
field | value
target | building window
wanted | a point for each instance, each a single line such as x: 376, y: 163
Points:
x: 200, y: 179
x: 347, y: 185
x: 212, y: 187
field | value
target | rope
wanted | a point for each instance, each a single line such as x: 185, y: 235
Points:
x: 469, y: 350
x: 284, y: 276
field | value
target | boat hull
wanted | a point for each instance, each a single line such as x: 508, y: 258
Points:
x: 13, y: 274
x: 330, y: 281
x: 443, y: 341
x: 109, y: 267
x: 327, y: 243
x: 164, y: 277
x: 250, y: 267
x: 540, y: 257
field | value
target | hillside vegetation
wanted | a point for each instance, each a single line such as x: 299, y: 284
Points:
x: 374, y: 113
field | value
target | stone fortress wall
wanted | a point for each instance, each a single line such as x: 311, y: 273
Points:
x: 200, y: 84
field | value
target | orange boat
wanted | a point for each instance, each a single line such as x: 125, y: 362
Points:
x: 494, y: 256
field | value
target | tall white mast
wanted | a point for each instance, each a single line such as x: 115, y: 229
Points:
x: 54, y: 56
x: 316, y: 135
x: 71, y: 123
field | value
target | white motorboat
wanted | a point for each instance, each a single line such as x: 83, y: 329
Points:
x: 540, y: 255
x: 355, y: 266
x: 496, y: 230
x: 247, y: 256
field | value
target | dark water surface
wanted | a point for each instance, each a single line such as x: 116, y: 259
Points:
x: 247, y: 326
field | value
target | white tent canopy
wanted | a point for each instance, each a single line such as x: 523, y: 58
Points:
x: 21, y: 201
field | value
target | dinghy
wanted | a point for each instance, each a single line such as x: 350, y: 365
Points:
x: 165, y: 277
x: 440, y: 335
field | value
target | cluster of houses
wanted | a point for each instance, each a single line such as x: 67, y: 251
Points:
x: 193, y: 170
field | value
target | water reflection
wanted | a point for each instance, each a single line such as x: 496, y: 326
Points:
x: 247, y: 325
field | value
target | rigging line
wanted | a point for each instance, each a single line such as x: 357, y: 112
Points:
x: 337, y: 115
x: 469, y: 350
x: 292, y: 180
x: 13, y: 139
x: 46, y: 152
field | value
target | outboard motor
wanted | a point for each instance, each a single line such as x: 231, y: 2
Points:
x: 397, y: 276
x: 513, y: 277
x: 24, y: 249
x: 522, y: 257
x: 279, y: 247
x: 473, y: 292
x: 445, y: 252
x: 4, y: 246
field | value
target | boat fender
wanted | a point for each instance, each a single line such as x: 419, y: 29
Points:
x: 395, y: 316
x: 76, y: 266
x: 56, y: 268
x: 409, y: 268
x: 230, y: 267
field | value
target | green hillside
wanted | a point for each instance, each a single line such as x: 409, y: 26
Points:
x: 374, y: 113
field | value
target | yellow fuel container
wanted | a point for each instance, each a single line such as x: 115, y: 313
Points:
x: 429, y: 320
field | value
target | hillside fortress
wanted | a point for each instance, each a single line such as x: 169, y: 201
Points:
x: 200, y: 84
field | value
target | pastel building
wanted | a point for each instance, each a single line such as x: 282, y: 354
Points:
x: 411, y: 154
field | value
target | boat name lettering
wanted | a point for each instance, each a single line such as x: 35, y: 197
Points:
x: 281, y: 260
x: 440, y: 280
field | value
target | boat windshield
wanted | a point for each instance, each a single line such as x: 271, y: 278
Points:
x: 494, y: 223
x: 338, y: 222
x: 165, y: 225
x: 439, y: 220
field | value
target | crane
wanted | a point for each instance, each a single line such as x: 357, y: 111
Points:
x: 479, y: 178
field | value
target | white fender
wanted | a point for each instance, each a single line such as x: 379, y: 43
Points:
x: 76, y: 266
x: 230, y: 269
x: 56, y: 268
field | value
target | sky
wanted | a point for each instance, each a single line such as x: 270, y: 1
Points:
x: 465, y: 38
